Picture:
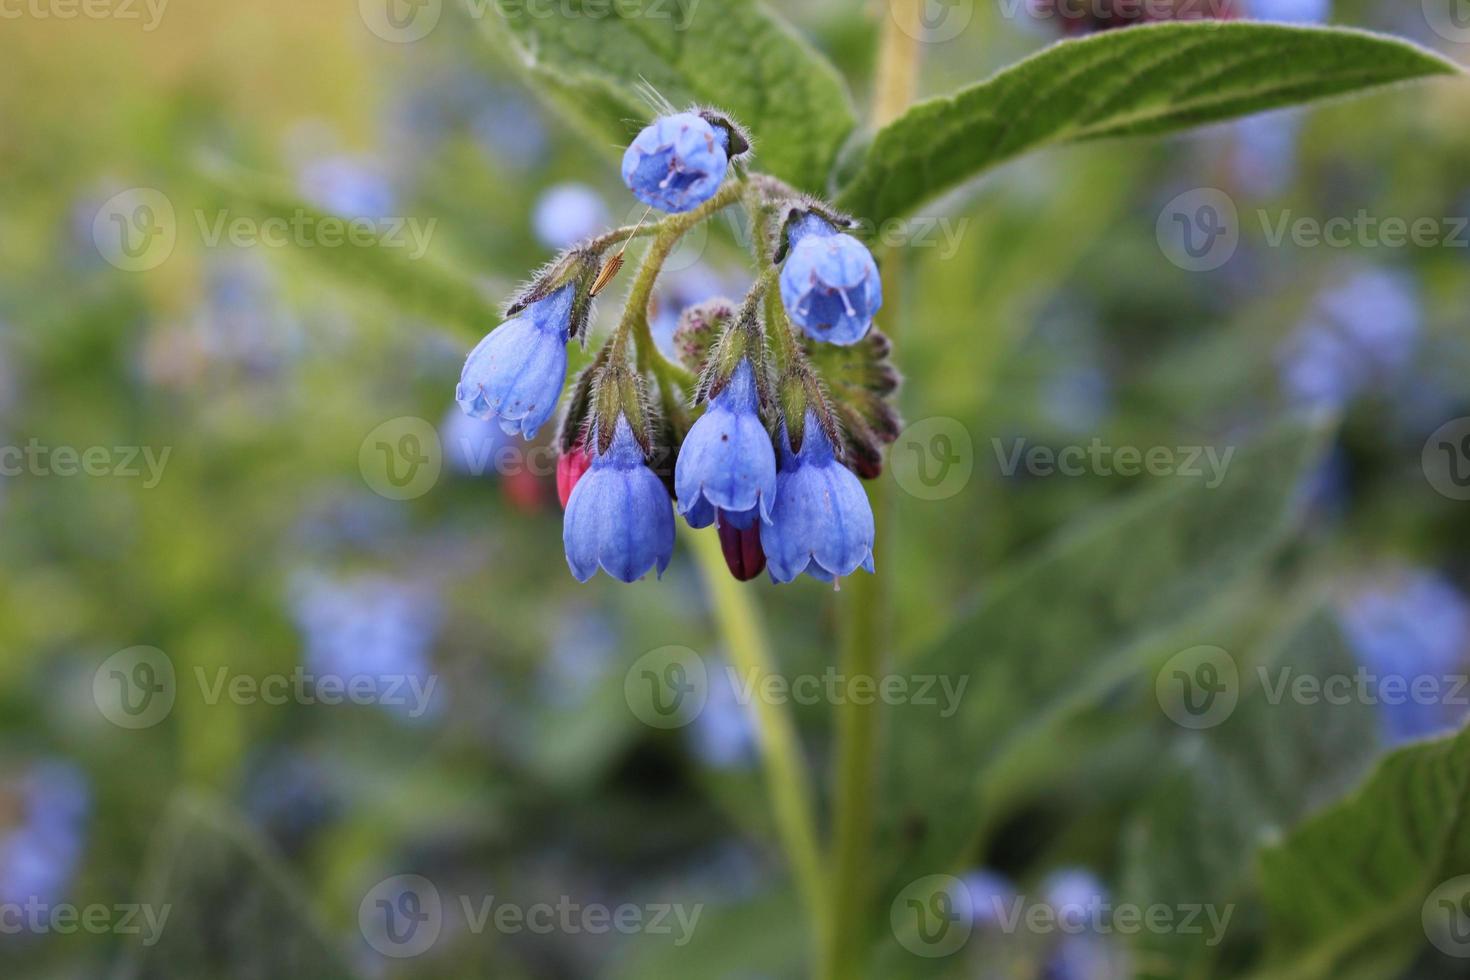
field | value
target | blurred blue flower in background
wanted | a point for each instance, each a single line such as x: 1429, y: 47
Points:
x: 43, y: 815
x: 991, y: 893
x: 473, y: 446
x: 1290, y: 11
x: 1412, y: 624
x: 680, y: 290
x: 567, y: 214
x: 372, y: 626
x: 579, y: 655
x: 349, y: 186
x: 510, y: 129
x: 1079, y: 900
x: 723, y: 735
x: 1264, y: 156
x: 1357, y: 337
x: 243, y: 320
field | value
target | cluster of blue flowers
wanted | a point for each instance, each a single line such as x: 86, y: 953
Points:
x: 762, y: 441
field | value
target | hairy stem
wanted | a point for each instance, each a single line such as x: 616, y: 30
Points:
x: 865, y: 602
x: 787, y: 781
x: 635, y: 316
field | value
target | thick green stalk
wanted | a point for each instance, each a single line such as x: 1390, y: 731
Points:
x: 864, y: 606
x: 792, y: 798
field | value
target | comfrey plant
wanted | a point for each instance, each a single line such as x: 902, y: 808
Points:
x: 764, y: 448
x: 759, y: 422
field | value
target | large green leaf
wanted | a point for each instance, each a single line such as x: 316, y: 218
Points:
x: 733, y: 55
x: 1081, y: 615
x: 1232, y: 788
x: 1145, y: 80
x: 233, y: 908
x: 1352, y: 883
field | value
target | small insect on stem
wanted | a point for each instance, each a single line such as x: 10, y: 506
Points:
x: 613, y: 265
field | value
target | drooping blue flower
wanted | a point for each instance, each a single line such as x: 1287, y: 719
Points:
x: 830, y: 283
x: 619, y: 517
x: 1411, y: 633
x: 727, y: 461
x: 677, y: 163
x: 567, y: 214
x: 821, y: 522
x: 516, y: 373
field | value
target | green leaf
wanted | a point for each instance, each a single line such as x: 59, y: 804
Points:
x: 733, y: 55
x: 421, y: 285
x: 233, y: 909
x: 1086, y: 612
x: 1140, y: 81
x: 1232, y: 788
x: 1352, y: 882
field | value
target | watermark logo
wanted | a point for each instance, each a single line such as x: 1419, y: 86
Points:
x: 667, y: 687
x: 402, y: 916
x: 933, y: 917
x: 1198, y: 688
x: 401, y: 459
x: 933, y: 459
x: 932, y: 21
x: 1450, y: 19
x: 400, y: 21
x: 136, y: 230
x: 1199, y: 230
x: 135, y: 688
x: 1446, y: 459
x: 1446, y: 917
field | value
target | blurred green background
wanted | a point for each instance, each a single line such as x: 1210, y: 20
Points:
x: 264, y: 544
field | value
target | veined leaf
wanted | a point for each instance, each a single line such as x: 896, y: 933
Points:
x: 1234, y: 787
x: 1144, y: 80
x: 733, y: 55
x: 1353, y: 882
x: 1073, y: 620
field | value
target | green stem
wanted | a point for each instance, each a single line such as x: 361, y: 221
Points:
x: 792, y: 797
x: 864, y: 611
x: 635, y: 316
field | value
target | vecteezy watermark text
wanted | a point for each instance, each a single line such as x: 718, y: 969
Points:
x: 38, y: 917
x: 403, y: 916
x: 124, y: 462
x: 1099, y: 459
x: 834, y: 687
x: 304, y: 229
x: 149, y: 12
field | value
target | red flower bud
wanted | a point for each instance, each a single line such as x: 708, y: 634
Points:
x: 743, y: 553
x: 569, y: 469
